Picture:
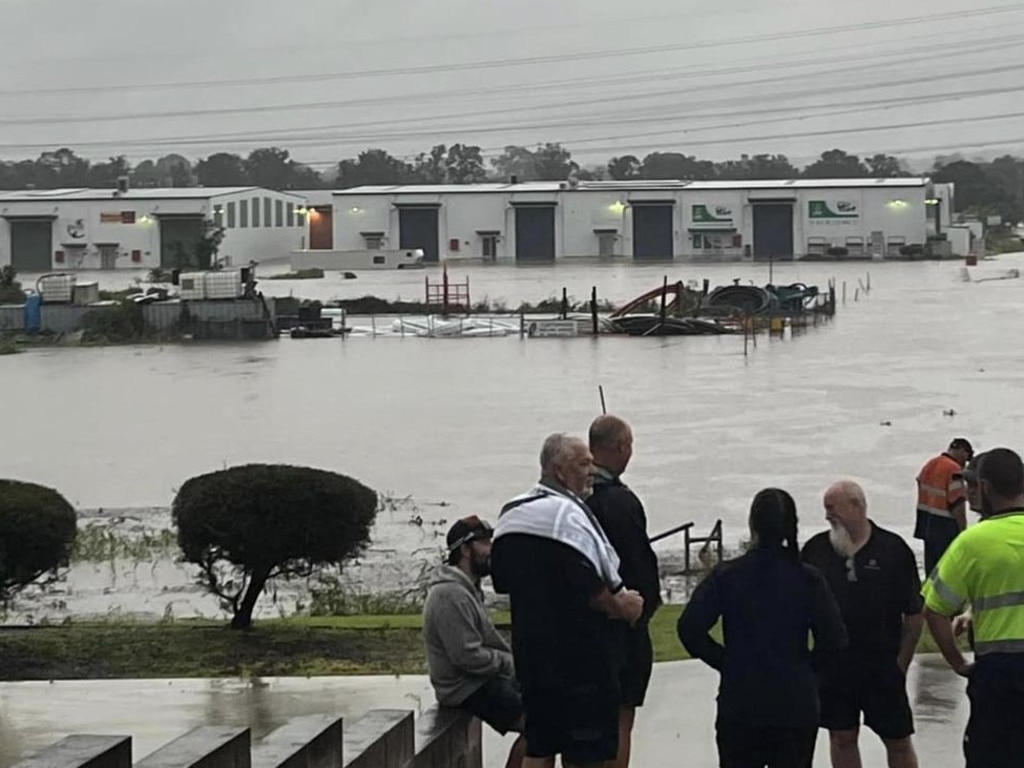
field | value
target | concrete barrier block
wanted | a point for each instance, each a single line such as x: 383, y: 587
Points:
x: 84, y: 752
x: 448, y: 738
x: 383, y: 738
x: 304, y: 742
x: 204, y: 747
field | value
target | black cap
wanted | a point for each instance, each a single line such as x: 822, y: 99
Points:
x: 970, y: 472
x: 466, y: 530
x: 962, y: 444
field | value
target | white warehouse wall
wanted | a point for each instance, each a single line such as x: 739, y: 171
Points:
x: 896, y: 211
x: 263, y: 243
x: 88, y: 223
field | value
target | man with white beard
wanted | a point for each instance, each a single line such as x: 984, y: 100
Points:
x: 873, y: 575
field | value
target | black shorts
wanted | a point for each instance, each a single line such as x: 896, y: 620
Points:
x: 994, y: 737
x: 937, y: 533
x: 749, y: 746
x: 498, y: 703
x: 637, y: 663
x: 579, y: 722
x: 876, y: 688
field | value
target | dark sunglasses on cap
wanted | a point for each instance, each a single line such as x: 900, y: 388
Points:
x: 478, y: 530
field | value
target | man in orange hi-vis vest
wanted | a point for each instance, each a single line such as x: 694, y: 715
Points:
x: 941, y: 501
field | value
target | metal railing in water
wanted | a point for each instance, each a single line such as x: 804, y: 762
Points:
x: 713, y: 538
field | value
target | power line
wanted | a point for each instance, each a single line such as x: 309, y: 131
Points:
x: 305, y: 106
x: 393, y: 39
x: 527, y: 61
x: 793, y: 115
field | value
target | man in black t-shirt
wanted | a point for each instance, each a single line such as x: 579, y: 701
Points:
x: 873, y: 574
x: 623, y: 519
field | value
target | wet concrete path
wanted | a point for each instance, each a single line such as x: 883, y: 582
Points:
x: 675, y: 728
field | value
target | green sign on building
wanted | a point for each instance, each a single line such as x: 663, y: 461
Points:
x: 719, y: 214
x: 822, y: 209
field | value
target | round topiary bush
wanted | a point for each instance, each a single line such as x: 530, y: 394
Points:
x: 246, y: 525
x: 37, y: 531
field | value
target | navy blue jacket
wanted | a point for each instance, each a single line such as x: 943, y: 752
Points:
x: 769, y: 602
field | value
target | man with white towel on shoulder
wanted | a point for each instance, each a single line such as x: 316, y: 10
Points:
x: 552, y: 558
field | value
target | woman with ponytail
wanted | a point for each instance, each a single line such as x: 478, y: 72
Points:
x: 769, y: 603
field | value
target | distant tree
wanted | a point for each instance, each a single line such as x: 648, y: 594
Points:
x: 209, y: 244
x: 105, y: 175
x: 248, y: 525
x: 974, y: 189
x: 61, y: 168
x: 592, y: 174
x: 884, y: 167
x: 374, y: 167
x: 516, y: 161
x: 675, y: 165
x: 553, y: 162
x: 304, y: 177
x: 1007, y: 174
x: 176, y: 170
x: 37, y: 532
x: 431, y: 167
x: 222, y: 169
x: 270, y: 167
x: 836, y: 164
x: 625, y: 168
x: 16, y: 175
x: 758, y: 167
x: 465, y: 164
x: 146, y: 174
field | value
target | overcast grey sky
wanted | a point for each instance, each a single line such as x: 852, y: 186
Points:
x: 327, y: 78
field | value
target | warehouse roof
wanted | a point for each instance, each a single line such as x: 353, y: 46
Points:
x: 142, y: 193
x: 628, y: 186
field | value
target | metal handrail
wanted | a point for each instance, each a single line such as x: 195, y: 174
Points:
x: 714, y: 537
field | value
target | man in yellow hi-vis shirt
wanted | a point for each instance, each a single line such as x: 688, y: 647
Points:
x: 984, y: 566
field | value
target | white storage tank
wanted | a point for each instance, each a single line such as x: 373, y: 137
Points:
x: 223, y: 284
x: 56, y: 289
x: 192, y: 286
x: 87, y: 293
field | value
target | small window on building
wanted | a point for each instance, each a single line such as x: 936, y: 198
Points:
x: 379, y: 260
x: 255, y: 211
x: 290, y: 215
x: 489, y: 246
x: 243, y: 214
x: 606, y: 243
x: 374, y: 242
x: 279, y: 213
x: 218, y: 215
x: 698, y: 241
x: 231, y: 215
x: 266, y: 212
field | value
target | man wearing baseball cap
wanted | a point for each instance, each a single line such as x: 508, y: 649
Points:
x: 470, y: 664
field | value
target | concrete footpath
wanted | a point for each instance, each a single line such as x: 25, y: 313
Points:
x: 675, y: 728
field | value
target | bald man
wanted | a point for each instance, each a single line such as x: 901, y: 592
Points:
x: 873, y: 575
x: 622, y: 517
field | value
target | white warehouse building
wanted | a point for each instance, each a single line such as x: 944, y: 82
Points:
x: 66, y: 229
x: 655, y: 220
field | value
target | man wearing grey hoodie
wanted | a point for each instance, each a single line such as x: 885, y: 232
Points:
x: 470, y: 663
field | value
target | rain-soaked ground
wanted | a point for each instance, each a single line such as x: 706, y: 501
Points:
x: 674, y: 728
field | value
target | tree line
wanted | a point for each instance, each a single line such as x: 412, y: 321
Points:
x: 982, y: 188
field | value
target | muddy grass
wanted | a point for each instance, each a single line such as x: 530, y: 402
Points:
x: 294, y: 647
